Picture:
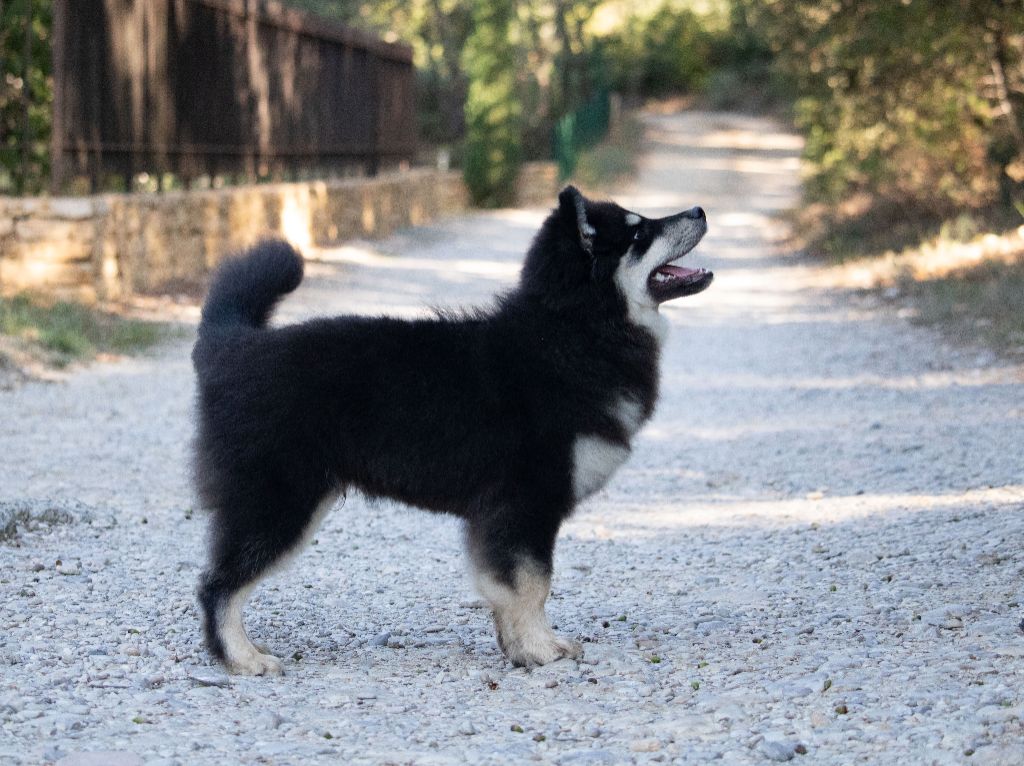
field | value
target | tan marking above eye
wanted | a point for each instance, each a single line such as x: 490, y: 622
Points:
x: 632, y: 219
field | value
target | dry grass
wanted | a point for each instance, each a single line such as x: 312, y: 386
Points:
x: 963, y: 275
x: 36, y: 333
x: 981, y: 303
x: 863, y: 228
x: 937, y: 259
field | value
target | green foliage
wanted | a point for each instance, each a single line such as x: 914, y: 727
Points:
x: 741, y: 76
x: 26, y: 94
x: 664, y: 53
x: 508, y: 88
x: 711, y: 49
x: 916, y: 103
x: 71, y: 331
x: 579, y: 130
x: 493, y: 109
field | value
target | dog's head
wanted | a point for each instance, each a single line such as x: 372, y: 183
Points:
x: 587, y: 247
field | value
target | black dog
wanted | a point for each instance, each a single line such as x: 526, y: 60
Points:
x: 507, y: 418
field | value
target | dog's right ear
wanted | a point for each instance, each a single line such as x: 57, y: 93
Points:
x: 572, y: 206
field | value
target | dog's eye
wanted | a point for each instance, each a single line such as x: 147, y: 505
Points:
x: 638, y: 235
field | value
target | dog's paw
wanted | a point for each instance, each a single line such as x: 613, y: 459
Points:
x: 550, y: 648
x: 255, y: 664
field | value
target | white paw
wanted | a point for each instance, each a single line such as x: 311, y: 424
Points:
x: 540, y: 650
x: 255, y: 663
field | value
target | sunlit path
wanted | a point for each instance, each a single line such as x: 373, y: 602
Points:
x: 815, y: 544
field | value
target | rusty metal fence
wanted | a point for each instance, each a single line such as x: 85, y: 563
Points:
x: 222, y: 87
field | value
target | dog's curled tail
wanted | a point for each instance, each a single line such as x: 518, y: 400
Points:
x: 245, y: 290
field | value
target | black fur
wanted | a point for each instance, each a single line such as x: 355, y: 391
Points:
x: 474, y: 416
x: 246, y: 290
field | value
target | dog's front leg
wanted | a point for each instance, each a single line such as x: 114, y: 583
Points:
x: 516, y: 584
x: 522, y: 627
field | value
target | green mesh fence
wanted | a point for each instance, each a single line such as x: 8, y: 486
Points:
x: 579, y: 130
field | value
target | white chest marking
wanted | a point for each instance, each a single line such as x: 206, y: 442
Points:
x: 594, y: 461
x: 650, y: 318
x: 630, y: 414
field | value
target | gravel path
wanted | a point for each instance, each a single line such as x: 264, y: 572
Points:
x: 815, y: 548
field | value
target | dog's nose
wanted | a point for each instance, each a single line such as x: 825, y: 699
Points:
x: 696, y: 213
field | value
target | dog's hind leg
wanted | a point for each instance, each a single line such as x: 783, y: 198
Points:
x: 514, y: 575
x: 244, y: 549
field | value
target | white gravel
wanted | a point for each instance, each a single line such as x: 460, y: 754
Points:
x: 814, y: 552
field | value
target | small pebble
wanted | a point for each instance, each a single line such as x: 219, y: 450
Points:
x: 775, y: 750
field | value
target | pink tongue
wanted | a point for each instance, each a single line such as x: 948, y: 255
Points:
x: 677, y: 271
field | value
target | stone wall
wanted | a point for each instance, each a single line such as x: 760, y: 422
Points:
x: 111, y: 246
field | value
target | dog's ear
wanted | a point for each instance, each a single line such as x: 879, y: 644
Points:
x: 573, y: 207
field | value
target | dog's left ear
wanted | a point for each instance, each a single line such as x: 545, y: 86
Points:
x: 573, y: 207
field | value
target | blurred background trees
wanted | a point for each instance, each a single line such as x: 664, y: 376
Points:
x: 915, y: 102
x: 25, y: 94
x: 494, y: 107
x: 496, y: 79
x: 912, y: 105
x: 919, y: 104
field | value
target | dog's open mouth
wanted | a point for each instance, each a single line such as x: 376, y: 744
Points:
x: 668, y: 282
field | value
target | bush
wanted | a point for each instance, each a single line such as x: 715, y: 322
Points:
x: 900, y: 100
x: 493, y: 109
x: 666, y: 53
x: 26, y: 95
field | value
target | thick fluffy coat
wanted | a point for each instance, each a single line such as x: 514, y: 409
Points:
x: 506, y: 419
